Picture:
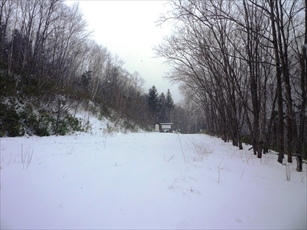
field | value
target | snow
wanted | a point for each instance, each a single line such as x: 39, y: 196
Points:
x: 145, y: 180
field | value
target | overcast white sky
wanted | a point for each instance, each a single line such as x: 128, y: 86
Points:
x: 127, y: 28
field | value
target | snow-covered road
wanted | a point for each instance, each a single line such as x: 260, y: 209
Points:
x: 145, y: 180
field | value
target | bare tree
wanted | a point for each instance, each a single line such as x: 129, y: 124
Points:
x: 237, y: 59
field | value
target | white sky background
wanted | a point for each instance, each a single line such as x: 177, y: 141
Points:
x: 128, y: 29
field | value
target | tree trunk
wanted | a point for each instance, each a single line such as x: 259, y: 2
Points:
x: 279, y: 86
x: 302, y: 125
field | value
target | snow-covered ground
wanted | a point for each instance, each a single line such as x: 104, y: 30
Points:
x: 145, y: 180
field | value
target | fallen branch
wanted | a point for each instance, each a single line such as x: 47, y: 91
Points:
x: 171, y: 158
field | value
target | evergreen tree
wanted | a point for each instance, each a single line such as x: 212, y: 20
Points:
x: 162, y: 108
x: 169, y: 105
x: 169, y: 100
x: 153, y: 102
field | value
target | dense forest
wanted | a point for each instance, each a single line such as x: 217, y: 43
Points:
x: 244, y: 64
x: 50, y: 68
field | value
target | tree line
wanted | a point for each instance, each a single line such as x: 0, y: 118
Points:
x: 244, y: 64
x: 185, y: 115
x: 49, y: 65
x: 47, y: 58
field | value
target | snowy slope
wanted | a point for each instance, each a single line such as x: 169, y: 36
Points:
x: 145, y: 180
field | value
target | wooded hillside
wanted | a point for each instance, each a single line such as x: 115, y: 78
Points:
x: 50, y: 68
